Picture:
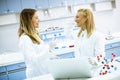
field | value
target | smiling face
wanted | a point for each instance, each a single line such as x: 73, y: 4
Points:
x: 80, y: 19
x: 35, y: 20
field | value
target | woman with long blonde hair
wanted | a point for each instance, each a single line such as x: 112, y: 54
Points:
x: 89, y: 41
x: 35, y: 51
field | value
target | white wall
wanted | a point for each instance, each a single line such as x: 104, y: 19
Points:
x: 8, y: 38
x: 8, y: 19
x: 105, y: 21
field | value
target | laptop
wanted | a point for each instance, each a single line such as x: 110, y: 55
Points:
x: 70, y: 68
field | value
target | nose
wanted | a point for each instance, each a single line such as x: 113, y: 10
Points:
x: 75, y: 20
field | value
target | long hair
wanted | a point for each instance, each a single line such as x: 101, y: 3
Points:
x: 89, y: 24
x: 26, y: 25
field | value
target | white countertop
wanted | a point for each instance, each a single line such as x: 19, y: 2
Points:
x: 11, y: 58
x: 114, y: 38
x: 16, y: 57
x: 111, y: 76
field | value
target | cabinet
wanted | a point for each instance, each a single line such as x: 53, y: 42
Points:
x: 2, y: 69
x: 3, y: 6
x: 55, y: 3
x: 7, y: 6
x: 13, y: 72
x: 20, y: 75
x: 48, y: 36
x: 3, y: 73
x: 3, y: 77
x: 41, y: 4
x: 59, y: 3
x: 77, y: 2
x: 67, y: 55
x: 28, y: 4
x: 69, y: 2
x: 112, y: 48
x: 14, y: 5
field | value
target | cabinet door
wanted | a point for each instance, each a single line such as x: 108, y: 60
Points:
x: 3, y: 73
x: 16, y: 66
x: 14, y: 5
x: 55, y: 3
x: 76, y: 2
x: 115, y: 50
x: 4, y: 77
x: 112, y: 45
x: 16, y: 71
x: 66, y: 55
x: 17, y: 75
x: 58, y: 3
x: 28, y: 4
x: 41, y: 4
x: 68, y: 2
x: 112, y: 48
x: 2, y: 69
x: 0, y: 11
x: 3, y: 6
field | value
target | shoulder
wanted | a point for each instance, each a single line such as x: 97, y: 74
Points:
x: 25, y: 39
x: 98, y: 35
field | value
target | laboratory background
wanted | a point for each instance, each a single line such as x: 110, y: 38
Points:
x: 55, y: 17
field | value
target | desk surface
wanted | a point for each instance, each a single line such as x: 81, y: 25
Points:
x: 16, y: 57
x: 11, y: 58
x: 111, y: 76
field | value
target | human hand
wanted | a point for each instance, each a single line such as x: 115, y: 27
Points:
x: 52, y: 45
x: 92, y: 61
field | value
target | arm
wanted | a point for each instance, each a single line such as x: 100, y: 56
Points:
x: 29, y: 51
x: 99, y: 50
x: 100, y: 45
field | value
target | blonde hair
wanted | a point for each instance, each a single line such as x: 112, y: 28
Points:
x: 26, y: 25
x: 89, y: 24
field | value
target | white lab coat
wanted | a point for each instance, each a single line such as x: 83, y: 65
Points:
x: 90, y: 47
x: 35, y: 56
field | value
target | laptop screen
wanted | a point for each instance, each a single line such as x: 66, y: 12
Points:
x: 70, y: 68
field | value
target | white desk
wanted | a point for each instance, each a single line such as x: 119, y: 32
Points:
x: 15, y: 57
x: 11, y: 58
x: 111, y: 76
x: 8, y: 58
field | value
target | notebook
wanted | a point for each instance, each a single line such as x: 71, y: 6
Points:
x: 70, y: 68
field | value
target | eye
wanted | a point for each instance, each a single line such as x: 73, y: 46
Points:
x: 36, y: 17
x: 77, y: 16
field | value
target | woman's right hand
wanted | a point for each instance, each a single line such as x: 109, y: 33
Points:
x: 92, y: 61
x: 52, y: 45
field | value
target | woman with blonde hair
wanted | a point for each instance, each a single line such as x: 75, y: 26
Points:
x: 35, y: 51
x: 89, y: 41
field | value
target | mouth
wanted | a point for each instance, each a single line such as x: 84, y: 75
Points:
x: 77, y: 23
x: 37, y: 24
